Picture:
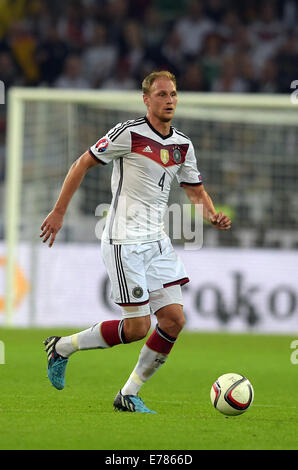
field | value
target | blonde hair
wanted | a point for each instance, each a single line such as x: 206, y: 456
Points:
x: 148, y: 81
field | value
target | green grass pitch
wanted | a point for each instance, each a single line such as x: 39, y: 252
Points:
x: 34, y: 415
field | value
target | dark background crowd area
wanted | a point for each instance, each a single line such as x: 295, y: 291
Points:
x: 212, y: 46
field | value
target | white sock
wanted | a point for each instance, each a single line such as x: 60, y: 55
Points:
x: 149, y: 362
x: 86, y: 339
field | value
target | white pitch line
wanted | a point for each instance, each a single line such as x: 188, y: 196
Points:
x: 274, y: 406
x: 192, y: 403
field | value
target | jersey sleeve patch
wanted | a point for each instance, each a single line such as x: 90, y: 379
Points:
x: 107, y: 150
x: 102, y: 145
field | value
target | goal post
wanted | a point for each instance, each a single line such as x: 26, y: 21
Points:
x: 12, y: 197
x: 238, y: 138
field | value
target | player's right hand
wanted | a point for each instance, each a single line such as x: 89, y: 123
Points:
x: 51, y: 226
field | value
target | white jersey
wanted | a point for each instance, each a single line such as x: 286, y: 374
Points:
x: 144, y: 165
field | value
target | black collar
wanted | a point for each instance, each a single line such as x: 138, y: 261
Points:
x: 158, y: 133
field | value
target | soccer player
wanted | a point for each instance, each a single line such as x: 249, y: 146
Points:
x: 145, y: 272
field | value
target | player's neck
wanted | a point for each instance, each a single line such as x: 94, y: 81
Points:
x: 163, y: 128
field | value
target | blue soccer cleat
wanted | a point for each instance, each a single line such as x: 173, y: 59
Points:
x: 56, y: 363
x: 131, y: 403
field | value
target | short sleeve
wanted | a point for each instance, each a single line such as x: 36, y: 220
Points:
x: 116, y: 143
x: 188, y: 173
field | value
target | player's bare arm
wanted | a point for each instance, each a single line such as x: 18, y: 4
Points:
x: 198, y: 195
x: 53, y: 222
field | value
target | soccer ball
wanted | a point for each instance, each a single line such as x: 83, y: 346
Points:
x: 232, y: 394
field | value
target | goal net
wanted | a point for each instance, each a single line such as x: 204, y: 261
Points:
x: 246, y: 147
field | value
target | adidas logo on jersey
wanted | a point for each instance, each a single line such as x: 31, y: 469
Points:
x: 147, y: 149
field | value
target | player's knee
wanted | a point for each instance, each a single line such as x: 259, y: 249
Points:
x: 180, y: 322
x: 177, y: 323
x: 136, y: 328
x: 137, y: 335
x: 172, y: 323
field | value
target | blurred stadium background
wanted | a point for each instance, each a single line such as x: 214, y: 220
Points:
x: 234, y: 63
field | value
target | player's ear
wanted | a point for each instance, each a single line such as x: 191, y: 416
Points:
x: 146, y: 99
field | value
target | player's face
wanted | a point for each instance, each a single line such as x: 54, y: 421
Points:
x: 162, y: 100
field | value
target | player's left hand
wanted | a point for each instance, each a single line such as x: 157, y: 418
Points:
x: 221, y: 221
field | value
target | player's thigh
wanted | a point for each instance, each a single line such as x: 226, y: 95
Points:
x: 126, y: 271
x: 165, y: 268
